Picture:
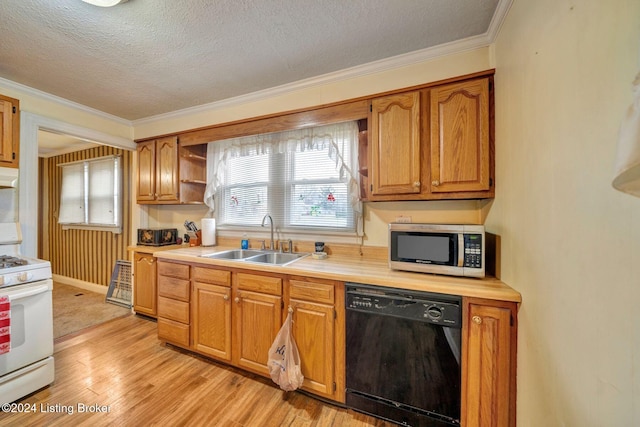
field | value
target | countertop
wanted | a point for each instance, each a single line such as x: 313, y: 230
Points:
x: 347, y: 269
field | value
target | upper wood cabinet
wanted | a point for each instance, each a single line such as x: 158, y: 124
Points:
x: 158, y: 171
x: 395, y: 144
x: 170, y: 174
x: 9, y: 131
x: 460, y: 137
x: 489, y: 363
x: 432, y: 143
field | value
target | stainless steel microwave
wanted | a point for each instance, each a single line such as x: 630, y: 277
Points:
x: 455, y: 250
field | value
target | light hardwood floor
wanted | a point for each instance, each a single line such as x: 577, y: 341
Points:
x: 122, y: 367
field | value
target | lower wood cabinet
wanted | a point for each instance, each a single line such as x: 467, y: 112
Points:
x: 489, y: 363
x: 257, y: 320
x: 144, y: 284
x: 211, y: 320
x: 315, y: 326
x: 174, y: 291
x: 234, y: 315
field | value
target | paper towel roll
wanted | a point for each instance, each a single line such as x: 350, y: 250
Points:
x: 208, y: 231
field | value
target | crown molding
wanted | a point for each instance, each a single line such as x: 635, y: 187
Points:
x: 380, y: 66
x: 399, y: 61
x: 498, y: 19
x: 62, y: 101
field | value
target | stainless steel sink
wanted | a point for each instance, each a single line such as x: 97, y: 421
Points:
x: 237, y: 254
x: 276, y: 258
x: 262, y: 257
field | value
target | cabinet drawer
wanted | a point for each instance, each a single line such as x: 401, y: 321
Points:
x: 312, y: 291
x: 173, y: 332
x: 262, y: 284
x: 174, y: 310
x: 180, y: 271
x: 210, y: 275
x: 173, y: 288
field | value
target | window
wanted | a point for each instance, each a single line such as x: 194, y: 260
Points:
x: 91, y: 194
x: 304, y: 179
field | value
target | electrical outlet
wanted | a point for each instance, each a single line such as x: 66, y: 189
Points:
x: 403, y: 219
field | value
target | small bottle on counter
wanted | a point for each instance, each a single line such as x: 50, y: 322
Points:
x: 245, y: 241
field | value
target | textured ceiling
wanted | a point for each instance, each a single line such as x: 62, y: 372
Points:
x: 147, y: 57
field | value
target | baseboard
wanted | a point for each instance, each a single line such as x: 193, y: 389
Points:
x: 80, y: 284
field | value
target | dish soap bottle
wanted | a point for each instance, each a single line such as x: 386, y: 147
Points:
x: 245, y: 241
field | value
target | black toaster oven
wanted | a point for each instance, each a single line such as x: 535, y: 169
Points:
x: 157, y: 236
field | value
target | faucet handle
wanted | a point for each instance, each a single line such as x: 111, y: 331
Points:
x: 262, y: 245
x: 281, y: 244
x: 290, y: 243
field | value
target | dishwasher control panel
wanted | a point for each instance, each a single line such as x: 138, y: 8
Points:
x: 423, y: 306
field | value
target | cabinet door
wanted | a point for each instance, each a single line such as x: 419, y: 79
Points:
x: 313, y: 331
x: 167, y: 180
x: 395, y: 144
x: 144, y: 284
x: 258, y: 318
x: 6, y: 131
x: 488, y: 389
x: 211, y: 315
x: 460, y: 137
x: 146, y: 171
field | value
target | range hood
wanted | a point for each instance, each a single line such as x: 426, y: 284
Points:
x: 8, y: 177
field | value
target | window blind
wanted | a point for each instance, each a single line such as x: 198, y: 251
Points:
x: 91, y: 193
x: 302, y: 178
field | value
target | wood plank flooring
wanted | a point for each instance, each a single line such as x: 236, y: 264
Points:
x: 121, y: 367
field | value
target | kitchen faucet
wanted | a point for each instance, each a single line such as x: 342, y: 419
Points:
x: 271, y: 221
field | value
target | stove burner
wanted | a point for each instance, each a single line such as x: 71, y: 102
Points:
x: 7, y: 261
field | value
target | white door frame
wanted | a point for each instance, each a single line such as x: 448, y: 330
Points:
x: 30, y: 124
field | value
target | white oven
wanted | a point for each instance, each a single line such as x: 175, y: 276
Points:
x: 27, y: 364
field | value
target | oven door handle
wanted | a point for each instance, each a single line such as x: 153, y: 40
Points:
x: 16, y: 295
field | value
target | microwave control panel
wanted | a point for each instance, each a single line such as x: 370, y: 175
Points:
x: 473, y: 250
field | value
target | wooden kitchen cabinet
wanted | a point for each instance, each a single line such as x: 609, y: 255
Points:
x: 489, y: 363
x: 315, y: 329
x: 433, y: 143
x: 459, y: 144
x: 211, y: 312
x: 257, y: 314
x: 158, y: 180
x: 144, y: 284
x: 395, y: 144
x: 169, y: 173
x: 9, y: 131
x: 174, y: 292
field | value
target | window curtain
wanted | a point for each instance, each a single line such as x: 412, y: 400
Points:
x: 339, y: 138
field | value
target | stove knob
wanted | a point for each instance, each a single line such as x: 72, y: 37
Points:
x: 1, y: 280
x: 24, y: 276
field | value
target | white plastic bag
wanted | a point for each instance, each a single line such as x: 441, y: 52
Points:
x: 284, y: 359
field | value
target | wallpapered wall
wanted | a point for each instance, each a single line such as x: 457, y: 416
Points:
x: 84, y: 255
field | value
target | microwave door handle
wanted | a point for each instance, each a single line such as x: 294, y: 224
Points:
x: 460, y: 250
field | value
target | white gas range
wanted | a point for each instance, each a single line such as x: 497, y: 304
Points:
x: 26, y: 319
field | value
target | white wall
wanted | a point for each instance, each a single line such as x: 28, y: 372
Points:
x: 570, y: 243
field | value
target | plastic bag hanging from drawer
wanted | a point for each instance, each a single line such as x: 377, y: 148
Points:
x: 284, y: 359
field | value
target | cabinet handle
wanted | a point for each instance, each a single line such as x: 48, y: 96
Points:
x: 416, y: 184
x: 435, y: 183
x: 237, y: 300
x: 477, y: 320
x: 226, y: 297
x: 290, y: 309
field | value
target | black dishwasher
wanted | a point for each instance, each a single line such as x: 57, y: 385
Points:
x: 403, y: 355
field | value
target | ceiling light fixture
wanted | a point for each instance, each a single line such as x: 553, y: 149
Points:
x: 105, y: 3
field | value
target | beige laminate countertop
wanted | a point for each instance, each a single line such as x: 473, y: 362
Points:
x: 372, y: 272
